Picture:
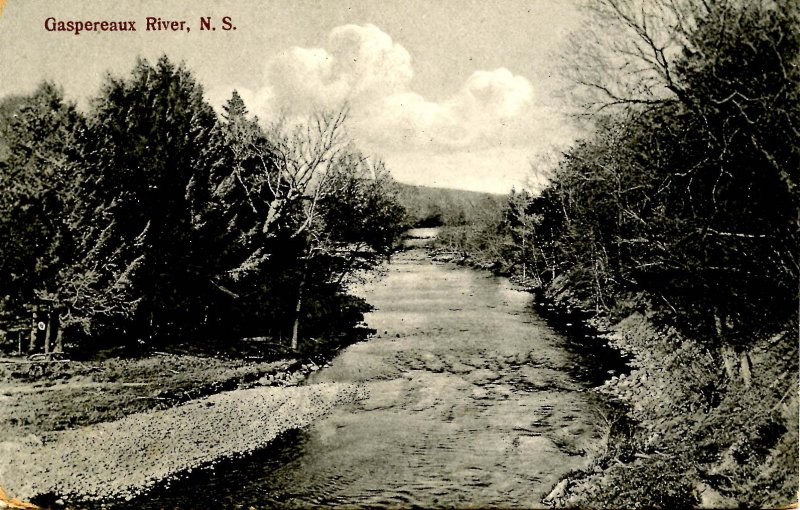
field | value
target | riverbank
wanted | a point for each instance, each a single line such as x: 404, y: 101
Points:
x: 39, y: 398
x: 44, y: 402
x: 693, y: 425
x: 121, y: 459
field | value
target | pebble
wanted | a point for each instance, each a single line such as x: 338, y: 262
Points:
x: 121, y: 459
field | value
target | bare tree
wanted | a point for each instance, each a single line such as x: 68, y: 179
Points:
x: 625, y: 52
x: 296, y: 172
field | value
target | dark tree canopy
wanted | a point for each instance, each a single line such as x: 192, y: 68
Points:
x: 154, y: 220
x: 39, y: 177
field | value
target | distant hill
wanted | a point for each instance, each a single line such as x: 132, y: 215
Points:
x: 433, y: 207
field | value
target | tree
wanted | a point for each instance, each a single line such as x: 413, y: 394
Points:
x: 156, y: 219
x: 95, y: 291
x: 342, y: 205
x: 321, y: 210
x: 679, y: 213
x: 39, y: 176
x: 733, y: 182
x: 296, y: 172
x: 362, y: 220
x: 712, y: 94
x: 151, y: 154
x: 624, y: 55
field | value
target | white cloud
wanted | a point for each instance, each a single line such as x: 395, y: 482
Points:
x: 488, y: 124
x: 360, y: 64
x: 492, y: 108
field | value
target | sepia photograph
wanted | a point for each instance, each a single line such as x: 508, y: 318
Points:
x: 355, y: 254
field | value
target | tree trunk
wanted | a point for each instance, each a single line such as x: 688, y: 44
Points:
x: 733, y: 356
x: 34, y: 331
x: 48, y: 335
x: 729, y: 360
x: 60, y: 340
x: 728, y: 353
x: 346, y: 268
x: 298, y: 308
x: 745, y: 368
x: 59, y: 335
x: 150, y: 331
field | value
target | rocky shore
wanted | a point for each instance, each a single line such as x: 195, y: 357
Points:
x: 120, y: 459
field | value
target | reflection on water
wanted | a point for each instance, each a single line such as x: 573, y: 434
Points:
x: 473, y: 401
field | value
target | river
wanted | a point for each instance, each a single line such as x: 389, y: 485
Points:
x: 474, y: 400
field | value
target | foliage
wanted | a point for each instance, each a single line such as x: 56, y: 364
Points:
x: 676, y: 223
x: 152, y: 139
x: 39, y: 186
x: 433, y: 207
x: 152, y: 220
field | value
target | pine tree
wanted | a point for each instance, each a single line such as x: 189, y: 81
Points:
x: 39, y: 176
x: 151, y: 154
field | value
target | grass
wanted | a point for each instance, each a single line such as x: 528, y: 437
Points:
x: 42, y: 398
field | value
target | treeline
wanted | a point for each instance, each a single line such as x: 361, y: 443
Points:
x: 435, y: 207
x: 676, y: 224
x: 152, y: 220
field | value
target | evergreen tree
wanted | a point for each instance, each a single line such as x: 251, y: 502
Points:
x: 39, y: 176
x: 151, y: 153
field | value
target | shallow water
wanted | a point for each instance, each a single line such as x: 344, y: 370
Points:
x: 416, y: 237
x: 473, y: 401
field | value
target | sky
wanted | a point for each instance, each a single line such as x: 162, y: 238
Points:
x: 453, y: 93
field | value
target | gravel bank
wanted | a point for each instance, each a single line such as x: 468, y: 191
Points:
x: 42, y: 398
x: 120, y: 459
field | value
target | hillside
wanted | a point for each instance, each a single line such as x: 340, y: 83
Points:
x: 431, y: 207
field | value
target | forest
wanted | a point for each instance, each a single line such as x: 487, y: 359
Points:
x: 150, y: 220
x: 673, y: 228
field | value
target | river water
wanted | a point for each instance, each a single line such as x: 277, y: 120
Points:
x: 474, y: 400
